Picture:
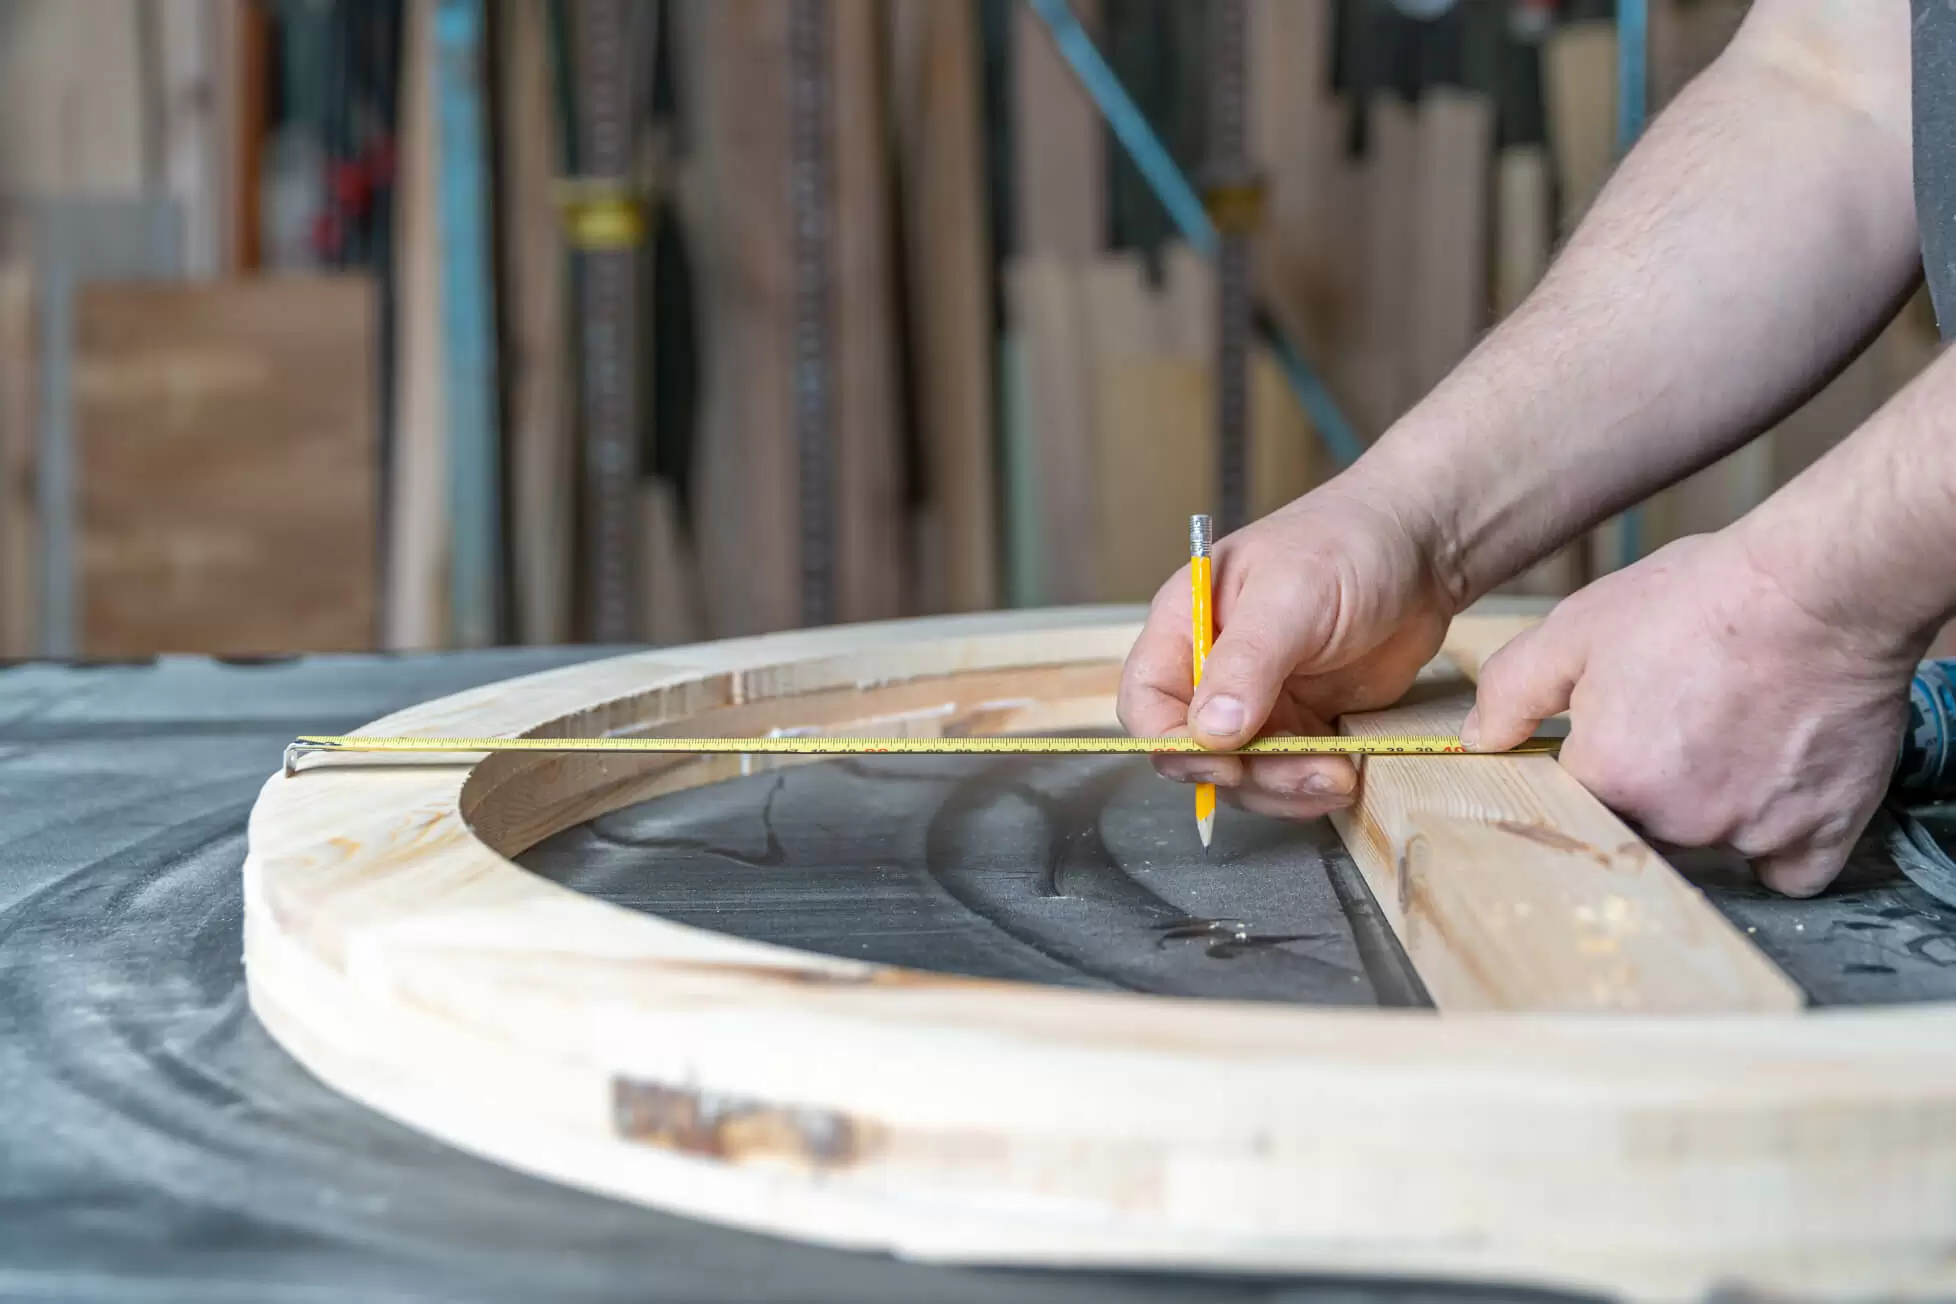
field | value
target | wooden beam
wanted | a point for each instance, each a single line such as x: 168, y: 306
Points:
x: 871, y: 536
x: 416, y: 614
x: 1384, y: 367
x: 1054, y: 502
x: 1579, y: 83
x: 542, y: 421
x: 1512, y: 888
x: 20, y: 515
x: 1450, y: 293
x: 1059, y: 181
x: 937, y: 121
x: 250, y: 123
x: 735, y: 204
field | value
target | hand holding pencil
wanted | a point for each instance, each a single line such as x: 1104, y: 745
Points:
x: 1327, y: 606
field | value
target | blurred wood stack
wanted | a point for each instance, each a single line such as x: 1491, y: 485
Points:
x: 1021, y: 399
x: 189, y: 455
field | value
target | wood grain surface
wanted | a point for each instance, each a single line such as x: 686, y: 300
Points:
x: 542, y: 425
x: 416, y: 606
x: 937, y: 120
x: 226, y: 456
x: 20, y: 513
x: 1512, y: 888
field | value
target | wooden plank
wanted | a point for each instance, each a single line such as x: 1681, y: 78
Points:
x: 1579, y: 87
x: 1511, y: 888
x: 1524, y: 234
x: 250, y: 123
x: 20, y: 517
x: 1384, y: 368
x: 71, y: 105
x: 735, y: 204
x: 1309, y: 250
x: 1153, y: 368
x: 937, y: 120
x: 1059, y: 150
x: 871, y: 525
x: 200, y: 530
x: 1059, y: 223
x: 673, y: 606
x: 537, y: 366
x: 191, y: 126
x: 417, y: 511
x: 1154, y: 424
x: 1044, y: 296
x: 1450, y: 237
x: 1579, y: 83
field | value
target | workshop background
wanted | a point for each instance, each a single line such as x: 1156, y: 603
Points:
x: 416, y: 324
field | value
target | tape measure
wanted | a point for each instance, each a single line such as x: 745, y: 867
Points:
x: 820, y: 745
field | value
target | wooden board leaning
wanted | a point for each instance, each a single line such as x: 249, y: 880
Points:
x: 1699, y: 1134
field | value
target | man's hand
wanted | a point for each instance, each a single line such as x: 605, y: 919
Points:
x: 1708, y: 706
x: 1331, y: 605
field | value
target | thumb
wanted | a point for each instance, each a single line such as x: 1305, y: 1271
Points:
x: 1523, y: 684
x: 1272, y: 627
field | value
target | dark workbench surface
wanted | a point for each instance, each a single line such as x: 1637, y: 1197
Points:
x: 155, y: 1145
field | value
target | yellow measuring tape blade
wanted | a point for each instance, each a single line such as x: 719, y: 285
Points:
x: 819, y: 745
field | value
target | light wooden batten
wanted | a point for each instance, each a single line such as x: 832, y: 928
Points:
x: 395, y: 951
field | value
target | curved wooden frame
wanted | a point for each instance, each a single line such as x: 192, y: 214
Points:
x: 395, y: 950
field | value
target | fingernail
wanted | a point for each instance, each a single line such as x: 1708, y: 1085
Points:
x: 1221, y: 717
x: 1191, y: 772
x: 1329, y: 785
x: 1470, y: 729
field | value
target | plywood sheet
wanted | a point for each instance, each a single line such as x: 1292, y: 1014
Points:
x: 225, y: 444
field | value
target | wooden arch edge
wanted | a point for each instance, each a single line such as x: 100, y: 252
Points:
x: 394, y: 950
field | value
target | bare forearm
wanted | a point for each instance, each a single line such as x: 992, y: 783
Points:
x: 1755, y: 240
x: 1865, y: 538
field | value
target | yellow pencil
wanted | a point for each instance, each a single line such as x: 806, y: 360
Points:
x: 1202, y: 625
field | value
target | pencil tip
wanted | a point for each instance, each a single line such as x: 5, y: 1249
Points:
x: 1206, y: 826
